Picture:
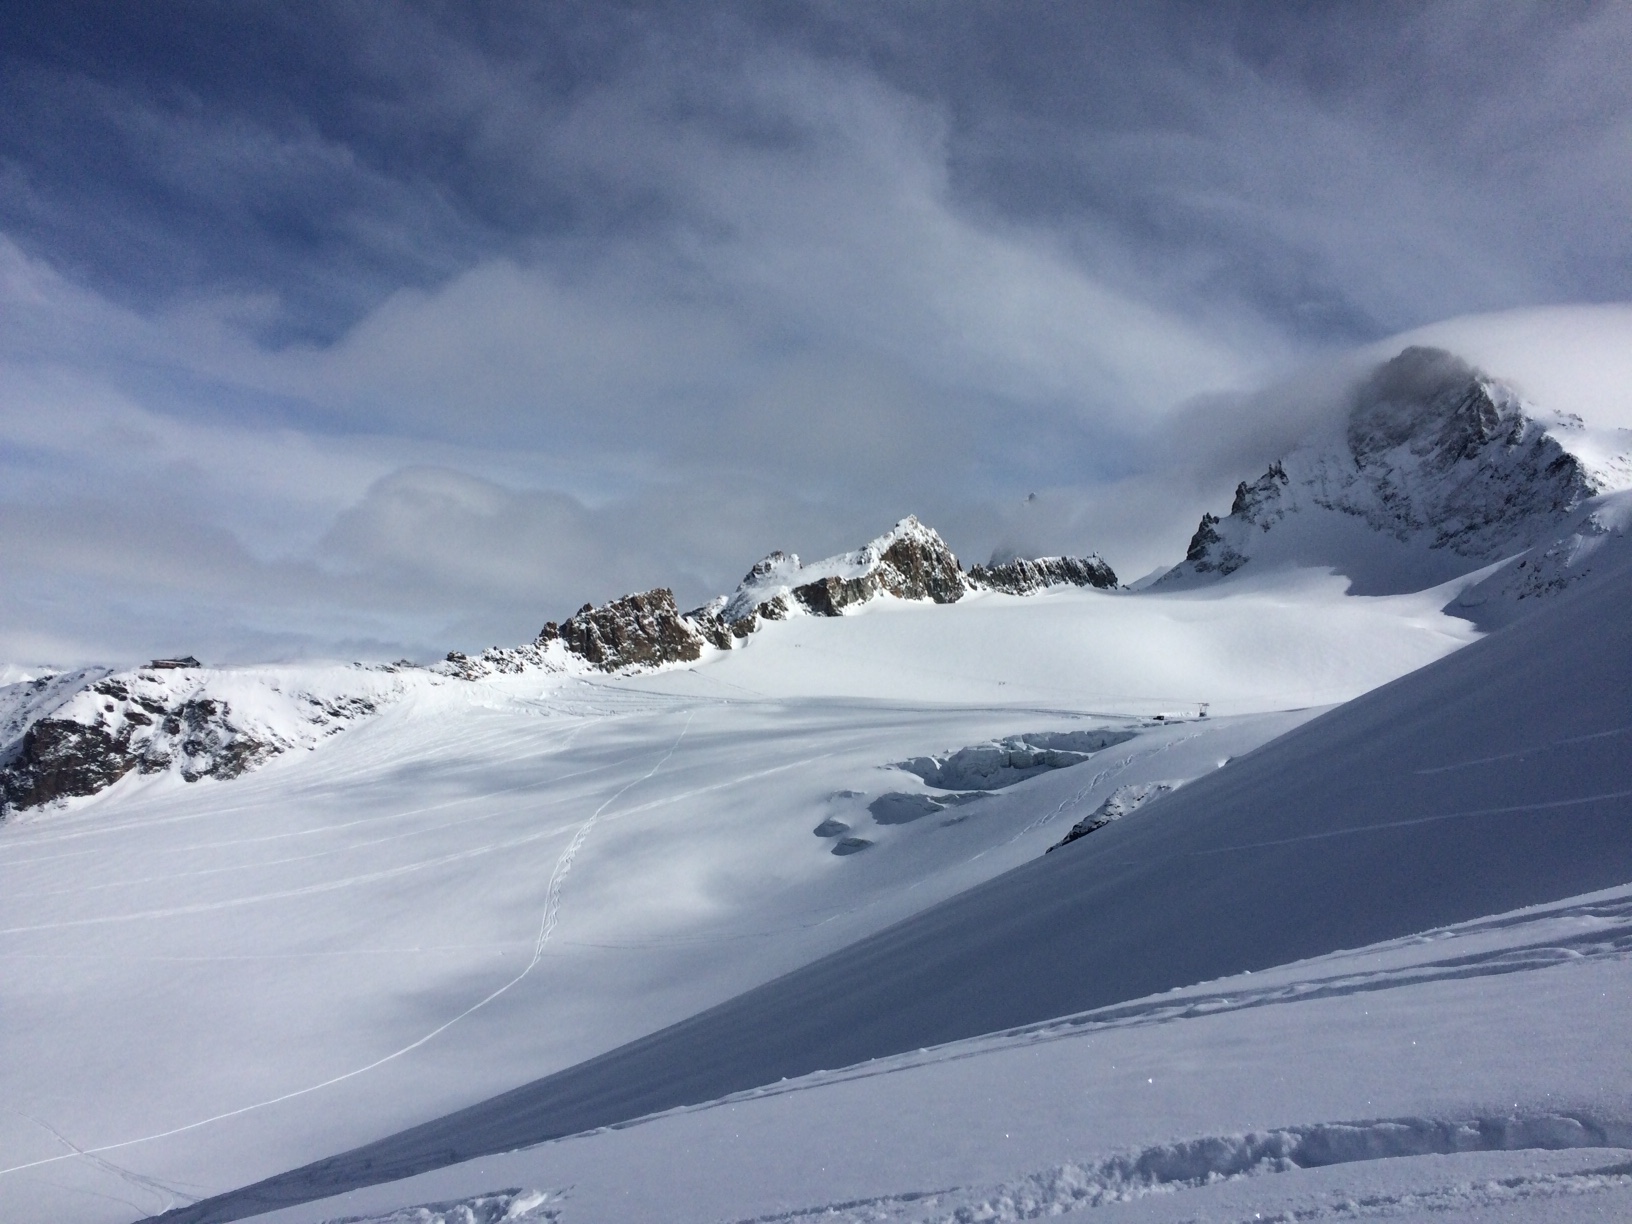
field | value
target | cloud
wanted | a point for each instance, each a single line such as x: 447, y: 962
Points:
x: 396, y: 326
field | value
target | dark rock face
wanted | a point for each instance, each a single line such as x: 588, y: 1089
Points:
x: 1022, y: 576
x: 922, y: 567
x: 637, y: 630
x: 1432, y: 450
x: 830, y: 596
x: 62, y: 758
x: 1450, y: 452
x: 918, y: 565
x: 1249, y: 498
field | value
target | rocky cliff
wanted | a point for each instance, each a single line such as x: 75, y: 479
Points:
x: 76, y: 735
x: 1023, y: 576
x: 636, y: 631
x: 910, y: 561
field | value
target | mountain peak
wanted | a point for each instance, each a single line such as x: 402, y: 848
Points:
x: 1433, y: 455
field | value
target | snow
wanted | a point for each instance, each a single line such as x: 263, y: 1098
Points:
x: 182, y: 955
x: 1435, y: 470
x: 1595, y: 542
x: 776, y: 936
x: 1493, y: 780
x: 1452, y: 1074
x: 779, y: 573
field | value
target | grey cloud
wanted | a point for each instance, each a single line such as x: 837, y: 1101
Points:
x: 414, y: 324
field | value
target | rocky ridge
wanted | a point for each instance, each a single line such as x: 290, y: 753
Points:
x: 910, y: 561
x: 1433, y: 453
x: 76, y: 734
x: 1023, y: 576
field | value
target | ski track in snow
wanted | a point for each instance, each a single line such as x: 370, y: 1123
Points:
x: 1608, y: 936
x: 1103, y: 775
x: 1547, y: 805
x: 547, y: 925
x: 1535, y: 750
x: 221, y: 813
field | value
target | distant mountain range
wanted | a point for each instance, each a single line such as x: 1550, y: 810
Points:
x: 1436, y: 470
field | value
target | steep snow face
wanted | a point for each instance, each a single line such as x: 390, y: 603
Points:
x: 73, y: 735
x: 1474, y: 1072
x: 1437, y: 469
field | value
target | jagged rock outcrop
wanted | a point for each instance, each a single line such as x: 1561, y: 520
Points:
x: 1432, y: 453
x: 63, y: 757
x: 1022, y: 576
x: 74, y: 736
x: 910, y: 561
x: 642, y: 630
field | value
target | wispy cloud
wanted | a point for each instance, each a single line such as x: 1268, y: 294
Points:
x: 399, y: 326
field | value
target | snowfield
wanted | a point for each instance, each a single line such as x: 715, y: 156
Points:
x: 1459, y: 1074
x: 218, y: 980
x: 1495, y: 779
x: 1295, y: 886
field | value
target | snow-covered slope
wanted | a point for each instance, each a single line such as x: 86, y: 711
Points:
x: 1435, y: 470
x: 1465, y: 1075
x: 1592, y: 544
x: 75, y: 734
x: 1496, y: 778
x: 490, y: 880
x: 815, y: 834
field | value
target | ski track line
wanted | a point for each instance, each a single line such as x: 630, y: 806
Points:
x: 168, y: 1194
x: 266, y: 956
x: 547, y: 925
x: 1165, y: 1009
x: 318, y: 829
x: 1420, y: 820
x: 296, y: 858
x: 1537, y: 750
x: 217, y: 813
x: 304, y: 890
x: 1110, y: 771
